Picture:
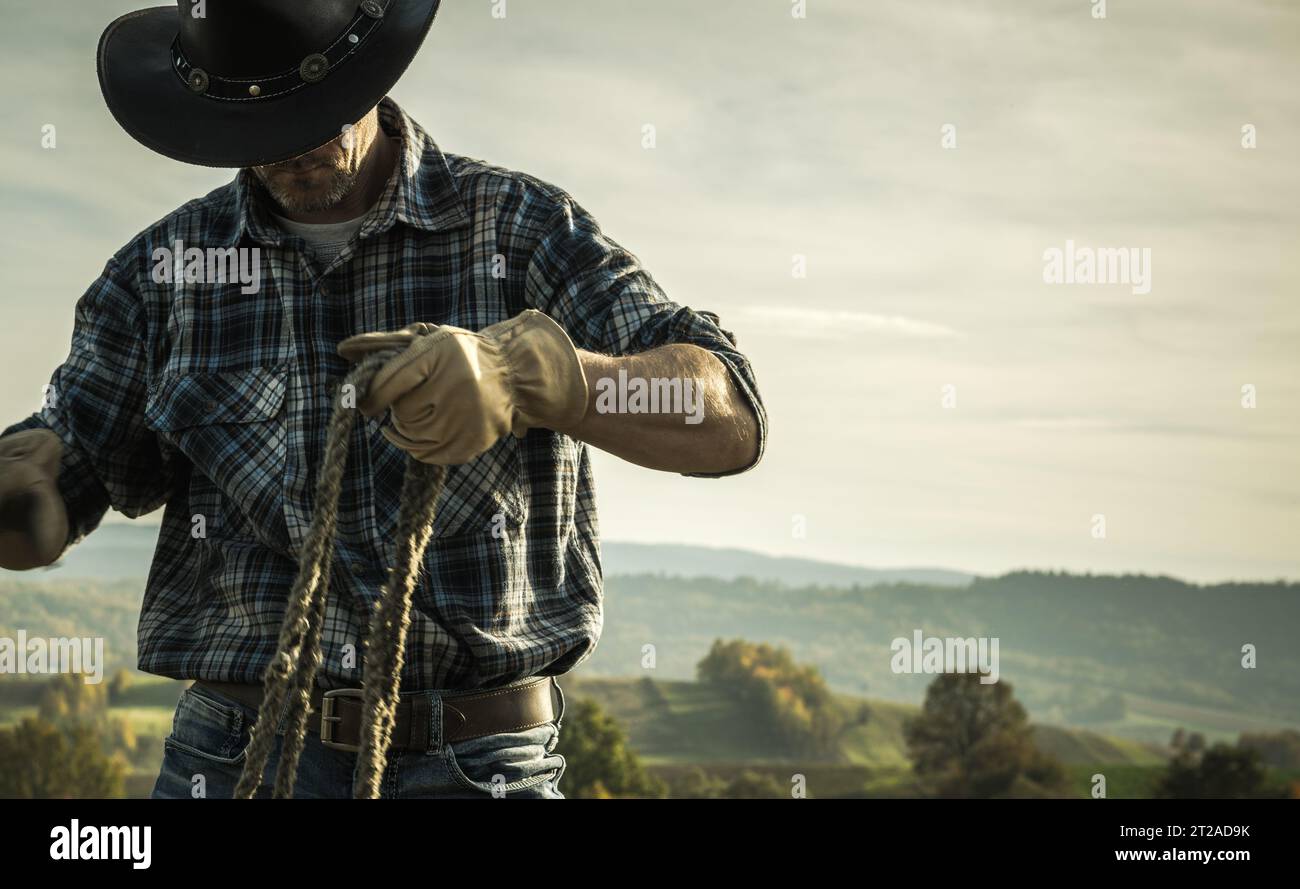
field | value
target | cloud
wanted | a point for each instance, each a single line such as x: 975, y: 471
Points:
x: 1146, y: 427
x: 805, y: 322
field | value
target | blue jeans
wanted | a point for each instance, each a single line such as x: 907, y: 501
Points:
x: 204, y: 755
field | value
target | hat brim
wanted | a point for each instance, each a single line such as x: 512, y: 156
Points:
x: 158, y: 109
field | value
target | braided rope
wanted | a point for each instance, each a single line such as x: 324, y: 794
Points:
x: 386, y: 645
x: 291, y: 676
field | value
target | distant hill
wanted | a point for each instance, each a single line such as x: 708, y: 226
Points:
x: 114, y: 551
x: 682, y: 560
x: 118, y: 551
x: 74, y: 608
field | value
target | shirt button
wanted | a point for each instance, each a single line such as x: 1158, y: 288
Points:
x: 210, y: 406
x: 358, y: 569
x: 324, y: 289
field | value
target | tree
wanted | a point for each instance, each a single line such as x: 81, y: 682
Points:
x: 39, y: 760
x: 974, y: 740
x: 793, y: 698
x: 753, y: 785
x: 600, y: 764
x: 1221, y: 772
x: 68, y: 697
x: 1189, y: 746
x: 119, y: 685
x: 1281, y: 750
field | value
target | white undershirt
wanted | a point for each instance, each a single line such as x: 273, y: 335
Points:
x: 327, y: 239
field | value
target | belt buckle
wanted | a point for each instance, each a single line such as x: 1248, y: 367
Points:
x: 327, y: 717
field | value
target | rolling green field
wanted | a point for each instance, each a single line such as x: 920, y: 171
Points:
x: 676, y: 725
x: 671, y: 722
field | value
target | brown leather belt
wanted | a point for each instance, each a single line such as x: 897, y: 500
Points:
x: 336, y: 714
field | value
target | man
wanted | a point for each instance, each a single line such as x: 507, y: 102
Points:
x: 201, y: 370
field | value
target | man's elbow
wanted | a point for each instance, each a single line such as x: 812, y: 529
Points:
x: 738, y: 445
x: 745, y: 448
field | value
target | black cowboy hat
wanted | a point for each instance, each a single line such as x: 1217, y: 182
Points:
x: 253, y: 82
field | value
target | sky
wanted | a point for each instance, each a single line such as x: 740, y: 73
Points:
x: 932, y: 400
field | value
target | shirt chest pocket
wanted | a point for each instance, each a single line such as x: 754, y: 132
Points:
x: 230, y: 425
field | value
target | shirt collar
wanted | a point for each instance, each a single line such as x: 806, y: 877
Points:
x: 421, y: 192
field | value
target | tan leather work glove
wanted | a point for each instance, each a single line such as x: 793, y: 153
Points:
x: 33, y: 519
x: 454, y: 393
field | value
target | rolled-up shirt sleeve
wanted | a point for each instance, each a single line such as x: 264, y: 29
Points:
x: 608, y: 303
x: 95, y: 404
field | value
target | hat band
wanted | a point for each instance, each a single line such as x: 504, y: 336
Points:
x: 314, y: 68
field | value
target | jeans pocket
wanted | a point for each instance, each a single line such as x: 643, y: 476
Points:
x: 506, y: 763
x: 210, y: 727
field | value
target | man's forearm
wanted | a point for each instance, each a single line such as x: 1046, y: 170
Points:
x: 673, y: 408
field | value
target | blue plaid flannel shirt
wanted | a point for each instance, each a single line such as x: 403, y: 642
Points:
x: 215, y: 403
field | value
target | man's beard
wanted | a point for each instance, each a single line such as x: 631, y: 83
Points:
x: 296, y: 200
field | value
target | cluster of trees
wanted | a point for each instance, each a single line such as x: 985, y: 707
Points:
x: 792, y: 698
x: 696, y: 783
x: 974, y: 740
x: 1281, y: 750
x: 72, y: 748
x: 601, y: 765
x: 1222, y: 771
x: 599, y: 762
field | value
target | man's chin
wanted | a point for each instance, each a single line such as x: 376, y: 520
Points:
x: 298, y: 199
x: 305, y: 190
x: 303, y: 201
